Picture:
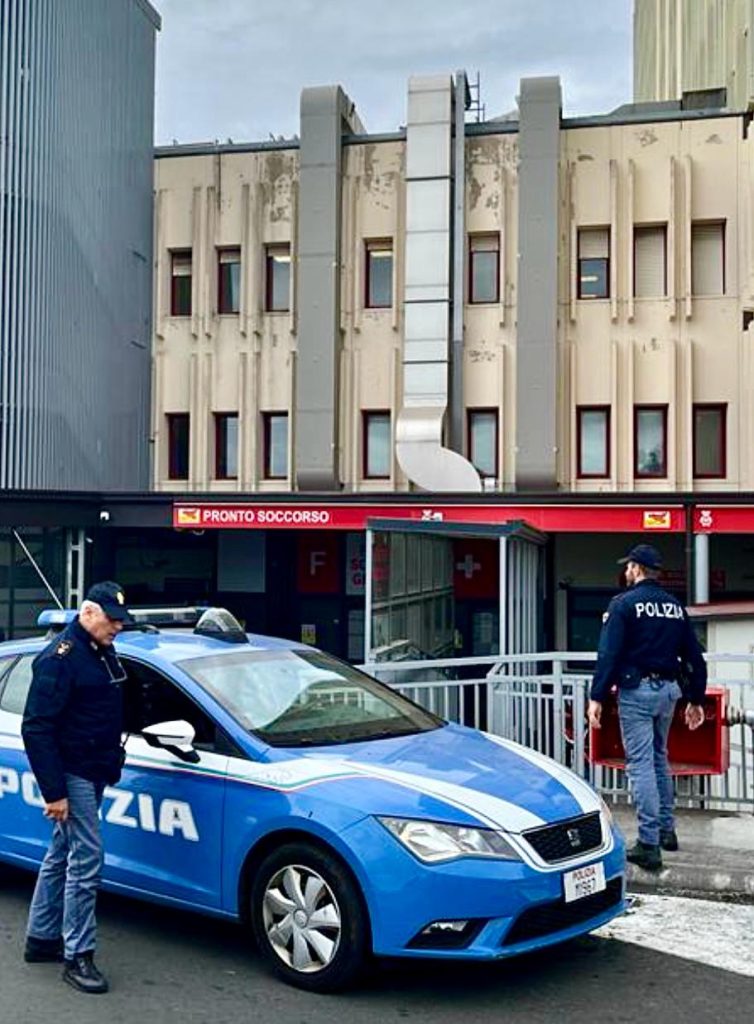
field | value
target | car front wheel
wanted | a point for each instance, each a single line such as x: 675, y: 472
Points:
x: 308, y: 918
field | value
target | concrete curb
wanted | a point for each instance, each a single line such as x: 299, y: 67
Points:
x: 715, y: 859
x: 680, y: 879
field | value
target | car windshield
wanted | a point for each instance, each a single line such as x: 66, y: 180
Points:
x: 299, y: 698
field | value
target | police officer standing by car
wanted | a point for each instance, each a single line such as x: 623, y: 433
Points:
x: 72, y: 729
x: 646, y: 646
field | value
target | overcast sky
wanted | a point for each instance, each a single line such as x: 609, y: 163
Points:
x: 235, y: 68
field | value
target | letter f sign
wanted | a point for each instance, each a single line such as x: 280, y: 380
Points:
x: 316, y: 560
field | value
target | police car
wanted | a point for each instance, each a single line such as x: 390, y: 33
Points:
x: 269, y: 782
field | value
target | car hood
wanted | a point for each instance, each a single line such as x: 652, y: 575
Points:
x: 451, y: 772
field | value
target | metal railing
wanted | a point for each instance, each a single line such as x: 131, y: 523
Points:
x: 540, y: 700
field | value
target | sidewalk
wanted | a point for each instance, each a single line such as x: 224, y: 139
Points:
x: 716, y: 856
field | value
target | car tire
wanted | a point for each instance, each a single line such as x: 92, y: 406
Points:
x: 308, y: 918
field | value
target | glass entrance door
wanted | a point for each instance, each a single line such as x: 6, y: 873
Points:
x: 410, y: 614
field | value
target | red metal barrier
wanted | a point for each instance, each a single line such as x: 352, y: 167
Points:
x: 702, y: 752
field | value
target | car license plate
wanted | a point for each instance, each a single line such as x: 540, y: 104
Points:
x: 584, y: 882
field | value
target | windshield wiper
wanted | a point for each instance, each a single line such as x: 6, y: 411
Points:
x: 296, y: 740
x: 329, y: 739
x: 388, y: 734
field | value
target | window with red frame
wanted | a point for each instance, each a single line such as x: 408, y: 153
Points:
x: 278, y: 278
x: 228, y: 280
x: 379, y: 273
x: 651, y: 261
x: 710, y: 447
x: 180, y: 282
x: 377, y: 445
x: 482, y: 438
x: 593, y: 263
x: 593, y: 441
x: 226, y: 445
x: 650, y: 441
x: 708, y: 258
x: 484, y: 268
x: 178, y: 445
x: 275, y: 461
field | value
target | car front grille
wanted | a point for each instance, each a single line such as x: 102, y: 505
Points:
x: 549, y: 918
x: 567, y: 839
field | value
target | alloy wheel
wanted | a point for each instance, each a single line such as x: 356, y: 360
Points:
x: 302, y: 918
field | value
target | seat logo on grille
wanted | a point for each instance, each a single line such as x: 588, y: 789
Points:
x: 574, y: 837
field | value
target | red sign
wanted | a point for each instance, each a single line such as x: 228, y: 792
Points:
x: 724, y: 519
x: 318, y: 563
x: 354, y: 516
x: 356, y: 564
x: 476, y: 568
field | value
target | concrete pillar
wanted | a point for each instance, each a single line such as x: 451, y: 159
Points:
x: 536, y: 347
x: 701, y: 568
x: 326, y: 114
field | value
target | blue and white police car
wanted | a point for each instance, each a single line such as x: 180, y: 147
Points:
x: 269, y: 782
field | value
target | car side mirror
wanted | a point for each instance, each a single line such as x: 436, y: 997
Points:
x: 176, y: 737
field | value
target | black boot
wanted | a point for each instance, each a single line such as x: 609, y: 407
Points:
x: 644, y: 855
x: 82, y: 973
x: 669, y: 840
x: 43, y: 951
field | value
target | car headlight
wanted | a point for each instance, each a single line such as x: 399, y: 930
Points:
x: 432, y: 841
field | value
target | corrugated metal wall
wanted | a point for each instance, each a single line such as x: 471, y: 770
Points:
x: 694, y: 44
x: 76, y: 122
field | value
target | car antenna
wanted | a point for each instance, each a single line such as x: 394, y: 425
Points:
x: 37, y: 569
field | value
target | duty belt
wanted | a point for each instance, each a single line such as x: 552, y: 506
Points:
x: 655, y: 679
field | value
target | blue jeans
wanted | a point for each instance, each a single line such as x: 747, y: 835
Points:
x: 645, y: 716
x: 66, y: 890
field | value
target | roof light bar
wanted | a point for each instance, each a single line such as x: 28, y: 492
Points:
x: 219, y: 624
x: 165, y: 617
x: 206, y: 621
x: 60, y: 617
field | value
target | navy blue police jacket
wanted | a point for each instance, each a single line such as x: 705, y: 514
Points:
x: 646, y: 631
x: 73, y: 717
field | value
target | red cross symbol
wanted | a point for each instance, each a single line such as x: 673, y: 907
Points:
x: 468, y: 566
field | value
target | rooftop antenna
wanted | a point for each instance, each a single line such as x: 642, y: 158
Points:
x: 477, y: 109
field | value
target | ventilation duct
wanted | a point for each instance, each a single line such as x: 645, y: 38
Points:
x: 427, y: 296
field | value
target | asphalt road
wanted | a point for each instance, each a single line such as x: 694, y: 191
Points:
x: 168, y: 966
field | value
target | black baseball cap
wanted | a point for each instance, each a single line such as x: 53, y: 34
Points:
x: 111, y: 599
x: 643, y: 554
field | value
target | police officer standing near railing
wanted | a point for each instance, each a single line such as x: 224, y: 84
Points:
x: 647, y: 646
x: 72, y: 729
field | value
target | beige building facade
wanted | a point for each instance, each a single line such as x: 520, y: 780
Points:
x: 689, y: 45
x: 638, y: 362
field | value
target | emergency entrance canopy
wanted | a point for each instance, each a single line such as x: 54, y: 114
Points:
x: 413, y: 580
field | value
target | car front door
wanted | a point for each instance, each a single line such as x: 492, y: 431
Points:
x: 162, y: 822
x: 24, y: 831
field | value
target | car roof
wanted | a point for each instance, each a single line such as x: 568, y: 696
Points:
x: 169, y: 645
x: 177, y: 645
